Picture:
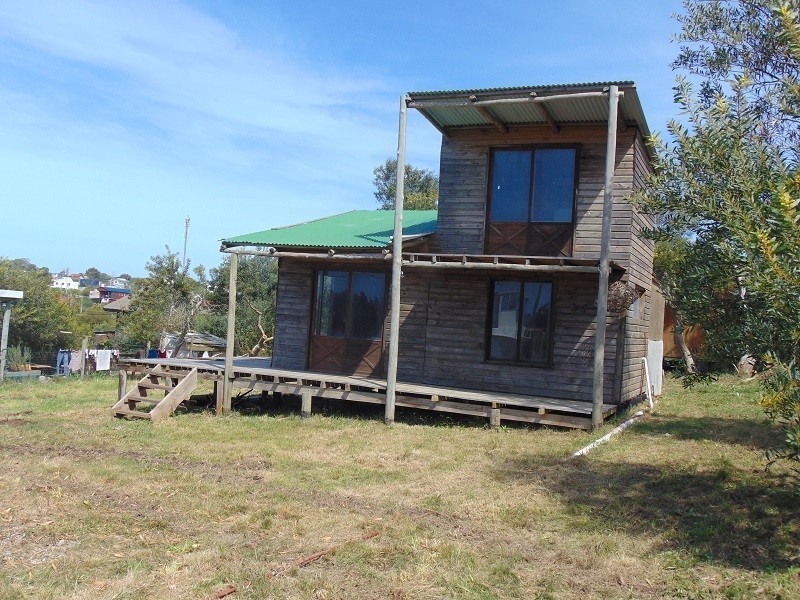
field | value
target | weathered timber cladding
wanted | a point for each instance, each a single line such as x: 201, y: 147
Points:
x: 443, y: 338
x: 640, y: 273
x: 464, y: 178
x: 292, y: 314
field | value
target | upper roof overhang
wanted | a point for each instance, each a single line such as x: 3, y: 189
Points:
x: 549, y: 105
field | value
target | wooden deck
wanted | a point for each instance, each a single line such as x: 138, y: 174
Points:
x: 256, y: 374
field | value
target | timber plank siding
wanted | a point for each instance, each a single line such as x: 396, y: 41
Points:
x: 450, y: 310
x: 444, y: 313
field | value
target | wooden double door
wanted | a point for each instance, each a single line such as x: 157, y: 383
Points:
x: 347, y: 333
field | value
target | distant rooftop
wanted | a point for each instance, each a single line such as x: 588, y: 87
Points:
x: 354, y: 229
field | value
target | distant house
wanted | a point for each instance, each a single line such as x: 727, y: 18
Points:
x: 105, y: 294
x: 118, y: 282
x: 87, y: 282
x: 66, y: 282
x: 503, y: 289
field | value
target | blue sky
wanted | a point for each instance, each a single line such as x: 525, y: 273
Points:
x: 121, y: 119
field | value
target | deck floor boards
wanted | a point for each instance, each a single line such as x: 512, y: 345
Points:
x: 257, y: 374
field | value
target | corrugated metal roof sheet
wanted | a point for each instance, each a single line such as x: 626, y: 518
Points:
x: 451, y: 109
x: 354, y: 229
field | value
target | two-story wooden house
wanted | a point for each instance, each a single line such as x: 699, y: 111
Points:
x: 497, y: 297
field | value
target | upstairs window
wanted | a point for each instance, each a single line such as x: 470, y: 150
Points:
x: 531, y: 201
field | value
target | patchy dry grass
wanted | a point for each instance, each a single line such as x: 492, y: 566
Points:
x: 677, y: 506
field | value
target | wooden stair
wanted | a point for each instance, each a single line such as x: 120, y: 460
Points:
x: 158, y: 379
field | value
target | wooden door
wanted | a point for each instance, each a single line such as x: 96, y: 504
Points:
x: 348, y: 323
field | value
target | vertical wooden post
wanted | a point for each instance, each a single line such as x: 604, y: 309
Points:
x: 218, y: 385
x: 494, y: 418
x: 4, y: 338
x: 122, y: 383
x: 84, y: 347
x: 305, y: 406
x: 397, y: 265
x: 605, y: 252
x: 227, y: 382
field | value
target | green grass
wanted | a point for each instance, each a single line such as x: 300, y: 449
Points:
x: 677, y: 506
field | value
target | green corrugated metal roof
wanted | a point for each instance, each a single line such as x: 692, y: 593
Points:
x: 354, y: 229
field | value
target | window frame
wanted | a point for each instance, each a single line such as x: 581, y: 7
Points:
x: 533, y: 148
x: 349, y: 306
x: 548, y: 363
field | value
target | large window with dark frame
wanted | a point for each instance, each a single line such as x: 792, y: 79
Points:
x: 350, y: 304
x: 531, y: 201
x: 521, y: 318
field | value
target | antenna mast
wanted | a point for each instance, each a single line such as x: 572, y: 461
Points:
x: 185, y: 240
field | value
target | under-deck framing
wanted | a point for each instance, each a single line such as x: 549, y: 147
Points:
x: 256, y: 374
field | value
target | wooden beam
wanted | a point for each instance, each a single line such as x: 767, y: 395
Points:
x: 548, y: 116
x: 426, y: 104
x: 433, y: 122
x: 397, y: 266
x: 493, y: 118
x: 243, y: 251
x: 605, y: 252
x: 227, y: 388
x: 418, y: 264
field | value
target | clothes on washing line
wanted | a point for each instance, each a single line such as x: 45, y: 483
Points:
x: 62, y: 362
x: 75, y: 360
x: 103, y: 360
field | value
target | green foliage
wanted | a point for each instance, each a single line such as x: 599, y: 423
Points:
x: 17, y: 357
x: 781, y: 401
x: 726, y: 191
x: 420, y: 190
x: 39, y: 318
x: 94, y: 273
x: 256, y: 286
x: 91, y: 317
x: 169, y: 299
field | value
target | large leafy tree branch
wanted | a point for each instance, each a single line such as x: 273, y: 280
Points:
x: 726, y: 186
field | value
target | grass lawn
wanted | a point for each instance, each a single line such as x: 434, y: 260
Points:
x: 677, y: 506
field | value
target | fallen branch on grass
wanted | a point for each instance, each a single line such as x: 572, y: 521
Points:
x: 226, y: 591
x: 302, y: 562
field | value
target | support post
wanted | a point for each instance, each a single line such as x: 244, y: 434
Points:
x: 4, y: 338
x: 122, y: 383
x: 227, y: 383
x: 397, y: 265
x: 84, y: 347
x: 605, y: 252
x: 305, y: 405
x: 494, y: 418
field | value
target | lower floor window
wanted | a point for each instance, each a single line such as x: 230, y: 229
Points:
x: 350, y: 304
x: 520, y: 321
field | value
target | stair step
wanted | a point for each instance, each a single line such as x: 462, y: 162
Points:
x: 144, y: 399
x: 124, y: 412
x: 154, y: 386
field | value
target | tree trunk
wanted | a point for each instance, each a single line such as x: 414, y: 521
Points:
x: 680, y: 342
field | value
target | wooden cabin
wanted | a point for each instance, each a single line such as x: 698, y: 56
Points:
x: 498, y: 294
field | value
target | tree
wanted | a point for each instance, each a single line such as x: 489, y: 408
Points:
x: 40, y: 318
x: 669, y: 267
x: 93, y: 273
x: 169, y: 299
x: 421, y: 186
x: 728, y: 184
x: 256, y: 286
